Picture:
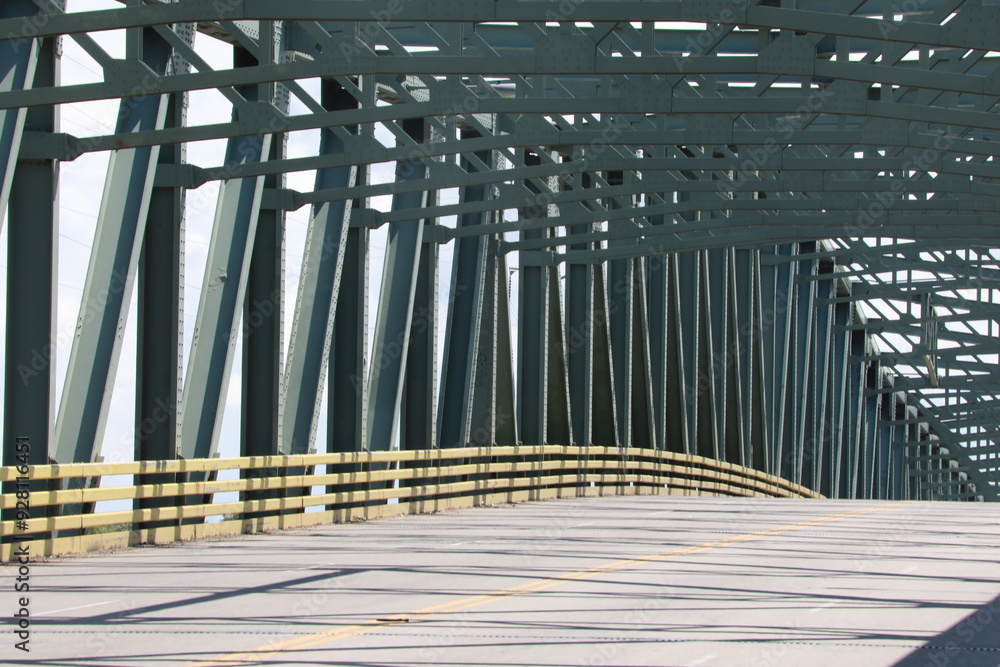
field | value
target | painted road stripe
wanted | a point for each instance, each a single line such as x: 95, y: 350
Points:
x: 328, y: 636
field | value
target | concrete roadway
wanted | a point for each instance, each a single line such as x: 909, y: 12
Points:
x: 625, y: 581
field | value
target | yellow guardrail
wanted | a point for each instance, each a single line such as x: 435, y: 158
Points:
x: 380, y: 484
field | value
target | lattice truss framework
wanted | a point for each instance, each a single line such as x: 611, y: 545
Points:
x: 669, y: 191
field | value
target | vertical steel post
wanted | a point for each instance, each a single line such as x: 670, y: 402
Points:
x: 347, y: 402
x: 347, y: 382
x: 505, y: 425
x: 463, y: 358
x: 839, y: 360
x: 160, y: 287
x: 854, y: 425
x: 533, y: 328
x: 418, y: 416
x: 871, y: 442
x: 580, y: 336
x: 801, y: 398
x: 717, y: 312
x: 677, y: 431
x: 689, y: 286
x: 744, y: 331
x: 264, y: 302
x: 621, y: 292
x: 32, y: 233
x: 733, y: 440
x: 821, y: 433
x: 643, y: 426
x: 760, y: 433
x: 776, y: 313
x: 711, y: 310
x: 603, y: 412
x: 395, y: 308
x: 656, y: 309
x: 559, y: 422
x: 900, y: 432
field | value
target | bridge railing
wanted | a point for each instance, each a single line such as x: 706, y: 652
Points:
x: 278, y: 492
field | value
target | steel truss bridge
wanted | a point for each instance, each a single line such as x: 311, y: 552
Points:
x: 762, y: 232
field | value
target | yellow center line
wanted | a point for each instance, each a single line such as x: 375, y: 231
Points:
x: 256, y: 654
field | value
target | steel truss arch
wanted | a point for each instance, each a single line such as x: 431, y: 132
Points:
x: 758, y: 231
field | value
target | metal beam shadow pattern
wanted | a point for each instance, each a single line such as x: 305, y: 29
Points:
x: 761, y: 232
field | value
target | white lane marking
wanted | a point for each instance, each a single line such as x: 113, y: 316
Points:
x: 83, y: 606
x: 909, y: 569
x: 578, y: 525
x: 824, y: 606
x: 312, y: 567
x: 700, y: 660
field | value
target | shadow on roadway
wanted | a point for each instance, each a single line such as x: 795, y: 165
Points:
x: 972, y: 642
